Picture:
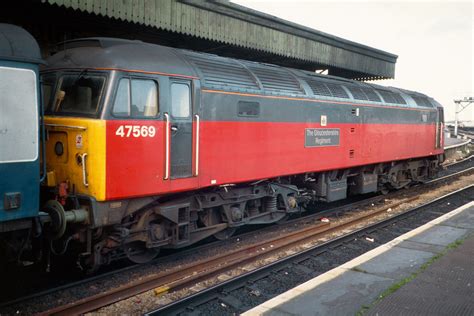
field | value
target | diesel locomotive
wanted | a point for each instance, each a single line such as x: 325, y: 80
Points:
x: 150, y: 147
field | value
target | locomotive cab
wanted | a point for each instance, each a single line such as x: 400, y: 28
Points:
x: 104, y: 121
x: 74, y: 100
x: 117, y: 137
x: 119, y: 116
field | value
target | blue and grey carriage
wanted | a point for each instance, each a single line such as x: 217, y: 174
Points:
x: 19, y: 127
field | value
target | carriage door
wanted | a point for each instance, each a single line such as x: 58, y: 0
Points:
x: 181, y: 130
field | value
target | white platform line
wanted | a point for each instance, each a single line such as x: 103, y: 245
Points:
x: 334, y: 273
x: 457, y: 145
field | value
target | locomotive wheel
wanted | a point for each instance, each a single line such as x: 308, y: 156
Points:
x: 137, y: 252
x: 225, y: 234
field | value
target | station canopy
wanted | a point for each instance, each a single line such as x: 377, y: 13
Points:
x: 218, y: 27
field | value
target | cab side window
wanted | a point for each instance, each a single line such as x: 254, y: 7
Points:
x: 136, y: 98
x: 122, y: 99
x: 181, y: 100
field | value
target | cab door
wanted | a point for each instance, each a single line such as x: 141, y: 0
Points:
x: 181, y: 129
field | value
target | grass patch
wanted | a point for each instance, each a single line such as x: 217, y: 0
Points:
x: 455, y: 244
x: 394, y: 287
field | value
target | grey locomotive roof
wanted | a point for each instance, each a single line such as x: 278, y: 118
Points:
x: 216, y: 72
x: 18, y: 45
x: 120, y: 54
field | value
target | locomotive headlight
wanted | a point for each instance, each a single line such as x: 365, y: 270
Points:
x: 59, y: 148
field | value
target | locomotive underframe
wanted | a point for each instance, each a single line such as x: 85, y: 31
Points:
x: 145, y: 225
x: 139, y: 228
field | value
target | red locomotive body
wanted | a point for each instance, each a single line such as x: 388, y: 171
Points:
x: 234, y: 152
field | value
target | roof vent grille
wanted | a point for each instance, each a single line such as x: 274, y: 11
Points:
x: 399, y: 98
x: 371, y: 95
x: 337, y: 90
x: 422, y: 101
x: 390, y: 97
x: 319, y: 88
x: 357, y: 93
x: 223, y: 72
x: 276, y: 79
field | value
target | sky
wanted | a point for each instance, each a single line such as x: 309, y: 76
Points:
x: 433, y: 39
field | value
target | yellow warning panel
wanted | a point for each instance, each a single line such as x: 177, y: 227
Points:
x: 76, y: 153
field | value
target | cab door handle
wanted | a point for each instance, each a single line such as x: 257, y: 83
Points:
x: 174, y: 128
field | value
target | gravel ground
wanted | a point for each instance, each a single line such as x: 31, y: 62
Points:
x: 149, y: 301
x: 459, y: 155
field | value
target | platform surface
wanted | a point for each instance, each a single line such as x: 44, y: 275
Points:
x: 445, y: 287
x: 455, y: 142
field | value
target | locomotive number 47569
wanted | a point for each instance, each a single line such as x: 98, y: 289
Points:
x: 135, y: 131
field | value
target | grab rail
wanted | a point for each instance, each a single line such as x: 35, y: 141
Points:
x: 196, y: 172
x: 167, y: 146
x: 84, y: 171
x: 43, y: 135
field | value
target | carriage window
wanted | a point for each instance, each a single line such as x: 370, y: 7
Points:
x: 136, y: 98
x: 180, y: 97
x: 18, y: 116
x: 78, y: 94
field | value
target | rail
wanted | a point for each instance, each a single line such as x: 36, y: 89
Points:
x: 205, y: 295
x: 204, y: 269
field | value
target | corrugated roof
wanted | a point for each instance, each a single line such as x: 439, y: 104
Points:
x: 236, y: 25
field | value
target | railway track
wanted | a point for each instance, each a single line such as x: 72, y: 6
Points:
x: 204, y: 269
x: 222, y: 298
x: 464, y: 131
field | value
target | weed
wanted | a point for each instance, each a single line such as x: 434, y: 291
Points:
x: 394, y: 287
